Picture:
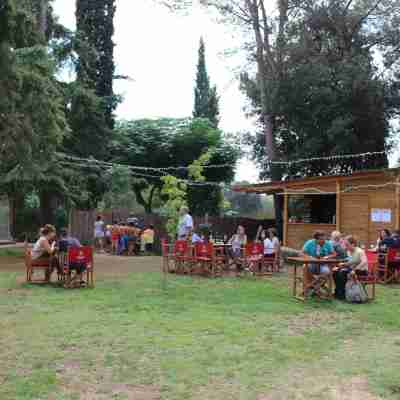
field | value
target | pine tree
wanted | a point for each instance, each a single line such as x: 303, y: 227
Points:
x: 95, y: 25
x: 206, y: 100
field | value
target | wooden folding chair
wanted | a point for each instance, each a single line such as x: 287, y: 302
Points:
x: 389, y: 269
x: 35, y: 265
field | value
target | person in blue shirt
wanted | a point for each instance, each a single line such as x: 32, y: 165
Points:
x: 319, y: 247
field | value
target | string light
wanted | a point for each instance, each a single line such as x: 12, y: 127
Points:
x: 316, y: 191
x: 139, y: 174
x: 163, y: 171
x: 226, y: 165
x: 327, y: 158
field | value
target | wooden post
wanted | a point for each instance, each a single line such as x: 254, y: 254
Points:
x: 397, y: 194
x: 285, y: 217
x: 338, y: 205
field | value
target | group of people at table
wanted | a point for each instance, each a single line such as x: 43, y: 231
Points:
x: 49, y: 245
x: 123, y: 237
x: 234, y: 246
x: 353, y: 260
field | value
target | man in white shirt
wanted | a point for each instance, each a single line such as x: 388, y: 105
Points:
x: 185, y: 225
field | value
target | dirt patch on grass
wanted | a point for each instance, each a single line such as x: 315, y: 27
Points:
x: 316, y: 320
x: 105, y: 265
x: 97, y: 384
x: 327, y: 388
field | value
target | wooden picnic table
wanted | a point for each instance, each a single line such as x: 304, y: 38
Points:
x: 302, y: 281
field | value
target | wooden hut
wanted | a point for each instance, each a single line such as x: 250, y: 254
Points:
x: 360, y: 204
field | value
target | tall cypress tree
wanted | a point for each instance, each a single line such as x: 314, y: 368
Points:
x: 206, y: 100
x: 95, y: 26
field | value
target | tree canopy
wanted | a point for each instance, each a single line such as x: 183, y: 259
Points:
x: 164, y: 143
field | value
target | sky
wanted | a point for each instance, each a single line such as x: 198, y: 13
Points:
x: 158, y: 51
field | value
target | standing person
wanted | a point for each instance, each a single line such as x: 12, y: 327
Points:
x: 114, y: 237
x: 99, y: 233
x: 185, y: 225
x: 147, y: 239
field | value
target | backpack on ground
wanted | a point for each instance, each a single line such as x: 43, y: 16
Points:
x: 355, y: 292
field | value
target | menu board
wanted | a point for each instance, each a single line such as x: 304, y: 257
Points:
x: 381, y: 215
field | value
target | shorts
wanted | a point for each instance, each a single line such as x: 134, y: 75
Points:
x: 99, y: 235
x: 317, y: 269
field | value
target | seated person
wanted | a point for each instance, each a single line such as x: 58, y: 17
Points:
x: 396, y: 239
x: 196, y: 238
x: 238, y: 241
x: 67, y: 241
x: 385, y: 240
x: 319, y: 247
x: 271, y: 244
x: 45, y: 248
x: 338, y: 245
x: 356, y: 265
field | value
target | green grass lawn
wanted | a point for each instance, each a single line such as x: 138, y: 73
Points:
x: 188, y: 338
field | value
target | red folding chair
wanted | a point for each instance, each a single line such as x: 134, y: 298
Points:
x: 389, y: 267
x: 254, y: 257
x: 80, y: 256
x: 205, y: 256
x: 34, y: 265
x: 371, y: 279
x: 181, y: 256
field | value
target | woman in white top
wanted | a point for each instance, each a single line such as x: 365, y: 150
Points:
x: 99, y: 233
x: 237, y: 242
x: 44, y: 248
x: 271, y: 243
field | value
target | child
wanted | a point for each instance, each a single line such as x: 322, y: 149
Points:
x: 148, y: 238
x: 115, y: 233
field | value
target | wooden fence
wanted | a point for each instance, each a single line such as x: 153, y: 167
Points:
x: 81, y: 223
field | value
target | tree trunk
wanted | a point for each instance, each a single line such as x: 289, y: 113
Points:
x: 42, y: 18
x: 47, y: 209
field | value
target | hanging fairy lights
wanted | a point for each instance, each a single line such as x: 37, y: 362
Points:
x: 159, y: 172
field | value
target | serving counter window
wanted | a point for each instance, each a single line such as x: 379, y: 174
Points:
x: 312, y: 209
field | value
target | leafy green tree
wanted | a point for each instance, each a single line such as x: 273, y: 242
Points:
x: 120, y: 193
x: 165, y: 143
x: 175, y: 191
x: 32, y: 121
x: 206, y: 100
x: 333, y: 99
